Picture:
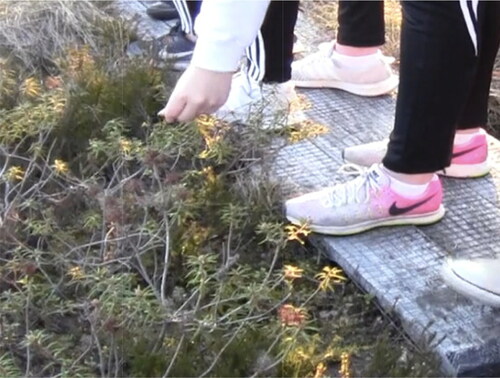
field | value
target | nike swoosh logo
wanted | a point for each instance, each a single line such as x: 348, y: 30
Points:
x: 457, y: 154
x: 394, y: 210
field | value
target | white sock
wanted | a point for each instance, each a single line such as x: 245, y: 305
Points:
x: 461, y: 138
x: 405, y: 189
x: 355, y: 61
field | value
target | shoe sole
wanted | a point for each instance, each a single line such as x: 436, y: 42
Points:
x: 468, y: 289
x: 365, y: 90
x: 180, y: 65
x: 403, y: 220
x: 174, y: 56
x: 466, y: 170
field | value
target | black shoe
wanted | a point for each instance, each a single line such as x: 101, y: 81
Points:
x: 177, y: 46
x: 163, y: 11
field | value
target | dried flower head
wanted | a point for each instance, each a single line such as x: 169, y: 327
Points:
x: 15, y: 173
x: 345, y: 365
x: 298, y: 233
x: 125, y: 146
x: 60, y: 166
x: 291, y: 316
x: 329, y: 276
x: 76, y: 273
x: 306, y: 130
x: 291, y: 272
x: 320, y: 370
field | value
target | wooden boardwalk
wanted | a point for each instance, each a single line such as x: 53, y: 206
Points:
x: 400, y: 266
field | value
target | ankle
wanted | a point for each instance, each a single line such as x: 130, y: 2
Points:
x: 192, y: 37
x: 466, y: 135
x: 355, y: 51
x: 412, y: 179
x: 473, y: 130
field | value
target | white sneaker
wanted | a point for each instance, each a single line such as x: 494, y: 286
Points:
x: 250, y: 101
x: 477, y: 279
x: 324, y: 69
x: 366, y: 154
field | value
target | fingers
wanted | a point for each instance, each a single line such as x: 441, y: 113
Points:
x: 189, y: 113
x: 182, y: 110
x: 198, y: 91
x: 173, y: 109
x: 194, y: 109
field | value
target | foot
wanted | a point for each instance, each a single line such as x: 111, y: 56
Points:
x: 162, y: 10
x: 268, y: 104
x: 469, y: 159
x: 178, y: 45
x: 477, y: 279
x: 364, y: 203
x: 371, y: 75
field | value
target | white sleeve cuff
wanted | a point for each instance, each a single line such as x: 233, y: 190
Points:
x: 216, y: 56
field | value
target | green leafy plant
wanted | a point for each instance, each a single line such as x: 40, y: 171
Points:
x: 130, y: 247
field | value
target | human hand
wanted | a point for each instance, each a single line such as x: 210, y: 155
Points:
x: 198, y: 91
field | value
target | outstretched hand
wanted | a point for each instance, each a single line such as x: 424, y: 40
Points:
x: 198, y: 91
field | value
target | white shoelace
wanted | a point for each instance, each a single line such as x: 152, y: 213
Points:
x: 353, y: 191
x: 317, y: 57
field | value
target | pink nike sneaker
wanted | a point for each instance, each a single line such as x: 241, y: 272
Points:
x: 364, y: 203
x: 469, y: 159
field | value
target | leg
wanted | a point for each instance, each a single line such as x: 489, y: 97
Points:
x: 182, y: 38
x: 475, y: 112
x: 256, y: 59
x: 437, y: 71
x: 270, y: 56
x: 438, y: 67
x: 265, y: 85
x: 361, y: 25
x: 354, y: 62
x: 188, y: 10
x: 277, y: 33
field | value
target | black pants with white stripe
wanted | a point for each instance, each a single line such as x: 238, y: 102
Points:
x: 361, y: 24
x: 187, y: 10
x: 448, y: 50
x: 273, y: 50
x: 270, y: 56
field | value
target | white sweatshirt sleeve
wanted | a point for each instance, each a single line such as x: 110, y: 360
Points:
x: 225, y: 28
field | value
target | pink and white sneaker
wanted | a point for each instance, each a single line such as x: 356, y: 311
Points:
x: 469, y: 159
x: 366, y: 202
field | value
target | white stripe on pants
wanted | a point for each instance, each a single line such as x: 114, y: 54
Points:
x: 256, y: 56
x: 184, y: 15
x: 470, y: 19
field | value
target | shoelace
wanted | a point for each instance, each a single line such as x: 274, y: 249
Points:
x: 317, y: 57
x: 354, y: 191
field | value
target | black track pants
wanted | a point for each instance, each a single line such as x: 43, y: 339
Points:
x: 447, y: 55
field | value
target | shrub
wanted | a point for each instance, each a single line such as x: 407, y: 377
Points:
x: 134, y: 248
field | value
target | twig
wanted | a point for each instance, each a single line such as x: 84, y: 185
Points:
x: 165, y: 260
